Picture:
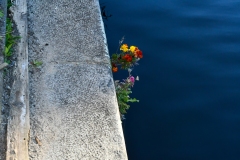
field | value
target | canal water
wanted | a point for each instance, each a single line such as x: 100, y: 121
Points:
x: 189, y: 88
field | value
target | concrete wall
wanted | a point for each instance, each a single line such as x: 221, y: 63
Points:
x: 73, y: 111
x: 3, y: 8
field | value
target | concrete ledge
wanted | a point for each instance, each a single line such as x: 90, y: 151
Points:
x: 3, y: 8
x: 18, y: 124
x: 73, y: 106
x: 67, y: 107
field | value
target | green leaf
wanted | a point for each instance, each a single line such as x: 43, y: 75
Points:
x: 1, y: 14
x: 7, y: 61
x: 133, y: 100
x: 7, y: 50
x: 37, y: 63
x: 16, y: 38
x: 114, y: 56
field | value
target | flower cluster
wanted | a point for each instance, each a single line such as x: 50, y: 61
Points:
x: 127, y: 58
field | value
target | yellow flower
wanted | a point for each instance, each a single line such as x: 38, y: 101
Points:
x: 124, y: 48
x: 133, y: 48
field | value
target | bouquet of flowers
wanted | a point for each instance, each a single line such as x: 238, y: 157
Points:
x: 126, y: 59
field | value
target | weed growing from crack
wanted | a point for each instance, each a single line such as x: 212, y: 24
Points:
x: 36, y: 63
x: 10, y: 38
x: 9, y: 4
x: 10, y: 41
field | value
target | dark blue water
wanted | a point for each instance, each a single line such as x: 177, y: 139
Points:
x: 189, y: 88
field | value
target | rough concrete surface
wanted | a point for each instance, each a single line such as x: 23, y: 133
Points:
x: 18, y: 123
x: 3, y: 8
x: 73, y: 107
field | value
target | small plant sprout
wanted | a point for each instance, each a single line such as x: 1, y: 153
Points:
x: 36, y: 63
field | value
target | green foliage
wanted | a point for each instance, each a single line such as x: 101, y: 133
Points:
x: 37, y: 63
x: 1, y: 14
x: 9, y: 4
x: 123, y: 89
x: 10, y: 40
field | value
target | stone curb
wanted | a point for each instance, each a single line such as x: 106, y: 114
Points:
x: 73, y: 107
x: 3, y: 8
x: 18, y: 123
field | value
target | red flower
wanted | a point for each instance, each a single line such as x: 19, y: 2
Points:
x: 127, y: 57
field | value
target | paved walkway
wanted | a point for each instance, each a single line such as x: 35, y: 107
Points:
x: 72, y: 102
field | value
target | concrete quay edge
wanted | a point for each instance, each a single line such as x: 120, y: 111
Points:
x: 41, y: 129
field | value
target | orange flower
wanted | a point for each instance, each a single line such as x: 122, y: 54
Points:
x: 135, y: 54
x: 139, y: 53
x: 127, y: 57
x: 114, y: 69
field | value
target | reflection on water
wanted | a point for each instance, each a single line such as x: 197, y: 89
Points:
x: 190, y: 77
